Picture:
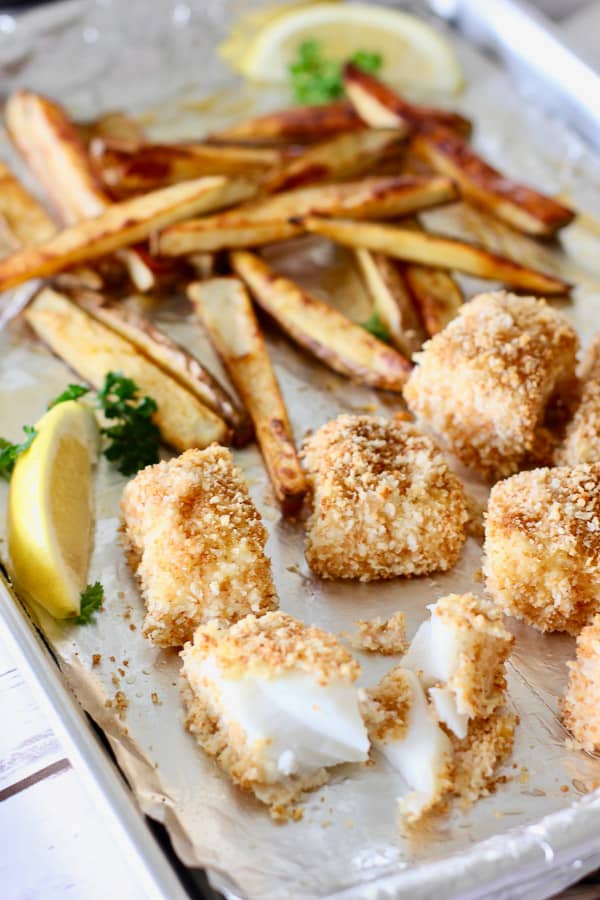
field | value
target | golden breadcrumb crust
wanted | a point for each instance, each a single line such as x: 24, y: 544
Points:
x: 488, y: 744
x: 196, y: 543
x: 257, y: 647
x: 273, y: 644
x: 582, y: 437
x: 479, y: 682
x: 542, y: 546
x: 384, y: 636
x: 581, y: 703
x: 483, y: 383
x: 386, y: 707
x: 385, y: 502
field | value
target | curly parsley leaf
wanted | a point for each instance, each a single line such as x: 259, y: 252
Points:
x: 9, y: 452
x: 317, y: 80
x: 134, y: 438
x: 376, y: 327
x: 91, y: 601
x: 72, y: 392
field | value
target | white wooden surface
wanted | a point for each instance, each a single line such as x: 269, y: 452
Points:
x: 53, y: 844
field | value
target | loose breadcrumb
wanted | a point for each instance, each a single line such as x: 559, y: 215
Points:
x: 542, y: 546
x: 582, y: 438
x: 384, y: 636
x: 386, y: 706
x: 385, y: 502
x: 196, y: 543
x: 581, y: 703
x: 484, y: 382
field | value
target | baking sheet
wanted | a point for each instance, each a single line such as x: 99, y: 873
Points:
x: 349, y: 833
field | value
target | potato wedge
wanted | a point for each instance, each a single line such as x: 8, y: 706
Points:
x: 436, y: 251
x: 268, y: 219
x: 381, y: 107
x: 121, y: 225
x: 225, y: 308
x: 49, y: 142
x: 338, y: 342
x: 343, y: 156
x: 26, y: 219
x: 92, y: 350
x: 296, y: 125
x: 521, y: 207
x: 436, y: 295
x: 174, y: 359
x: 391, y: 300
x: 443, y: 146
x: 127, y: 170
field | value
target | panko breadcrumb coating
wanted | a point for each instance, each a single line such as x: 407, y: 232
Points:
x: 477, y: 757
x: 196, y: 543
x: 542, y: 546
x: 384, y: 636
x: 460, y: 655
x: 385, y: 502
x: 484, y: 382
x: 582, y: 438
x: 274, y: 701
x: 581, y: 703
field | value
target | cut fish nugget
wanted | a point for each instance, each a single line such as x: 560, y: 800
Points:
x: 196, y: 543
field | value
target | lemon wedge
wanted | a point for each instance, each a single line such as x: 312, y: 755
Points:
x: 414, y: 54
x: 50, y: 509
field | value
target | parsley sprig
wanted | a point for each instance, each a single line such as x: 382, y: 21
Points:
x: 134, y: 438
x: 72, y: 392
x: 317, y: 80
x: 9, y: 451
x: 376, y: 327
x: 91, y: 601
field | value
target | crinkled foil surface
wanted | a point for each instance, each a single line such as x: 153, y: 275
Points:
x: 536, y: 832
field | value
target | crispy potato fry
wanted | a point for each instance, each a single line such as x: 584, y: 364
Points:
x: 127, y: 170
x: 92, y: 350
x: 436, y: 295
x: 121, y: 225
x: 522, y: 207
x: 51, y: 145
x: 444, y: 148
x: 111, y: 126
x: 436, y: 251
x: 338, y: 342
x: 391, y: 300
x: 381, y: 107
x: 343, y: 156
x: 267, y: 219
x: 225, y: 308
x: 296, y: 125
x: 26, y: 219
x: 171, y: 357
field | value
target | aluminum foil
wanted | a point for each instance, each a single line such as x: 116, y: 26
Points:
x: 536, y: 832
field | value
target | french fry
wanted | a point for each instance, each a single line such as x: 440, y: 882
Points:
x: 343, y: 156
x: 268, y: 219
x: 438, y: 252
x: 443, y: 146
x: 174, y: 359
x: 381, y: 107
x: 49, y: 142
x: 436, y: 295
x: 225, y: 308
x: 121, y: 225
x: 127, y: 170
x: 522, y: 207
x: 111, y: 126
x: 92, y: 350
x: 391, y: 300
x: 338, y: 342
x: 296, y: 125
